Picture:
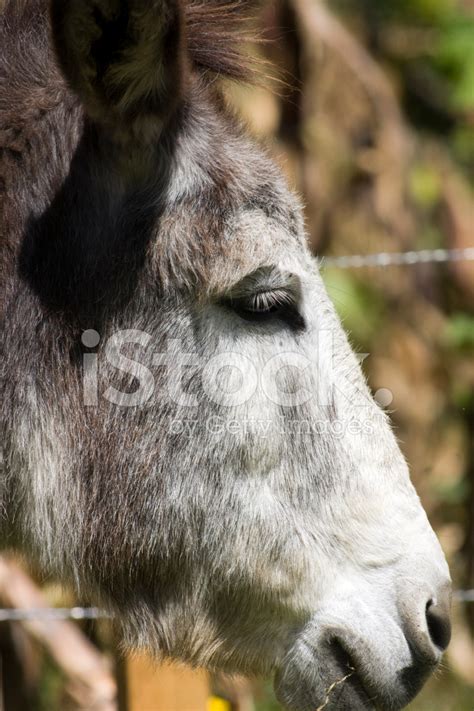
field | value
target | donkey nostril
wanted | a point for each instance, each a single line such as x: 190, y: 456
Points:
x: 439, y: 625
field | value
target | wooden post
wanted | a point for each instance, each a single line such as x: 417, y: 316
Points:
x: 164, y: 688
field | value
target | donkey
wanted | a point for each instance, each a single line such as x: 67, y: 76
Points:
x: 187, y: 436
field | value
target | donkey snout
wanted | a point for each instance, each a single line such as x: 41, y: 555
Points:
x: 356, y: 656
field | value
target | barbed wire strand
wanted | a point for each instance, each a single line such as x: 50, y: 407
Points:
x: 464, y: 596
x: 387, y: 259
x: 22, y: 614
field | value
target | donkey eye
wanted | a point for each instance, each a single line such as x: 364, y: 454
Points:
x: 267, y: 295
x: 263, y: 302
x: 268, y: 305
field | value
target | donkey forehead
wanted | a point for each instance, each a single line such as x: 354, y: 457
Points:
x: 208, y: 254
x: 229, y: 209
x: 251, y: 239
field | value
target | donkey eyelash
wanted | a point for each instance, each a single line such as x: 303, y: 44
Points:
x: 267, y: 295
x: 267, y: 301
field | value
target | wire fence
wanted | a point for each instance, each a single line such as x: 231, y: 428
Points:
x: 387, y: 259
x: 52, y: 614
x: 464, y: 596
x: 352, y: 261
x: 48, y: 614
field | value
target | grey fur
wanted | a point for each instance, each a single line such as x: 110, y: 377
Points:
x: 227, y: 548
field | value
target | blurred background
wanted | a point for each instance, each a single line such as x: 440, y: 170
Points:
x: 371, y: 116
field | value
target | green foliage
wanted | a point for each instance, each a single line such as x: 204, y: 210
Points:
x: 51, y: 687
x: 360, y: 307
x: 425, y: 185
x: 459, y: 332
x: 267, y: 700
x: 462, y: 396
x: 454, y: 57
x: 439, y: 73
x: 451, y: 56
x: 463, y: 146
x: 430, y: 12
x: 430, y: 237
x: 451, y: 492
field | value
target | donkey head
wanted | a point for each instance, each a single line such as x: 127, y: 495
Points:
x: 234, y: 491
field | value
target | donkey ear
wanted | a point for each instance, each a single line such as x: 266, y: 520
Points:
x: 124, y: 58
